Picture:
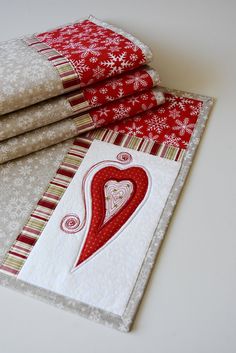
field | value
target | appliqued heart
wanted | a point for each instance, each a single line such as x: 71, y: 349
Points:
x: 115, y: 196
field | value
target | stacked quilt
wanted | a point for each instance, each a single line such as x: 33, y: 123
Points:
x: 84, y: 216
x: 68, y: 81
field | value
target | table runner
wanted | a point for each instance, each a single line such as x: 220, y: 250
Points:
x: 49, y: 64
x: 58, y: 108
x: 68, y: 168
x: 70, y: 127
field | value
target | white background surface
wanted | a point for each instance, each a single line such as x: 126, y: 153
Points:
x: 189, y: 305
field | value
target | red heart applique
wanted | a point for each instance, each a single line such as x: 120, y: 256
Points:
x: 131, y: 184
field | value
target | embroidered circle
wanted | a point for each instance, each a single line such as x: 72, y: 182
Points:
x: 124, y: 157
x: 70, y: 223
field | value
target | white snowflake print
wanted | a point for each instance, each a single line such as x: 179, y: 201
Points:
x: 183, y: 126
x: 137, y: 80
x: 98, y: 72
x: 113, y: 41
x: 144, y: 96
x: 93, y: 59
x: 151, y: 136
x: 133, y: 57
x: 161, y: 110
x: 114, y: 83
x: 80, y: 67
x: 147, y: 107
x: 117, y: 63
x: 157, y: 124
x: 121, y: 112
x: 195, y: 109
x: 174, y: 114
x: 93, y: 49
x: 103, y: 90
x: 94, y: 101
x: 98, y: 121
x: 172, y: 140
x: 134, y: 130
x: 178, y: 102
x: 103, y: 111
x: 116, y: 128
x: 120, y: 93
x: 133, y: 100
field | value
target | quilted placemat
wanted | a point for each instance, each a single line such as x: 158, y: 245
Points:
x: 86, y: 246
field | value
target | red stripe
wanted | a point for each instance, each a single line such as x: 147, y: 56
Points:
x: 177, y: 156
x: 154, y: 149
x: 18, y: 255
x: 47, y: 204
x: 67, y: 173
x: 26, y: 240
x: 9, y: 269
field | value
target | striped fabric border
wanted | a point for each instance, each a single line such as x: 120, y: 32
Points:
x: 69, y: 76
x: 77, y: 101
x: 83, y: 123
x: 137, y: 143
x: 30, y: 233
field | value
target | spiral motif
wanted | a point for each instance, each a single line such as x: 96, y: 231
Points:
x: 124, y: 157
x: 70, y: 223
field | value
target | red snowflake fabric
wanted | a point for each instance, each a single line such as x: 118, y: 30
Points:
x: 119, y: 87
x: 172, y: 123
x: 126, y: 107
x: 96, y: 52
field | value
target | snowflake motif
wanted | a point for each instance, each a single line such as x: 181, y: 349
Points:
x: 121, y: 112
x: 89, y: 50
x: 133, y: 100
x: 174, y: 114
x: 103, y: 111
x: 94, y: 101
x: 120, y: 93
x: 110, y: 98
x: 178, y: 102
x: 114, y: 83
x: 103, y: 90
x: 116, y: 128
x: 184, y: 126
x: 147, y: 107
x: 172, y: 140
x: 93, y: 59
x: 98, y: 72
x: 132, y: 46
x: 112, y: 41
x: 195, y: 109
x: 133, y: 57
x: 161, y: 110
x: 151, y: 136
x: 137, y: 80
x: 157, y: 124
x: 144, y: 96
x: 97, y: 121
x: 114, y: 48
x: 117, y: 63
x: 80, y: 67
x: 134, y: 130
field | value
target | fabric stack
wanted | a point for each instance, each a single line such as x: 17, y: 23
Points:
x: 61, y: 83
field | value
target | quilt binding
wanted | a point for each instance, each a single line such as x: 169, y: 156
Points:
x: 124, y: 322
